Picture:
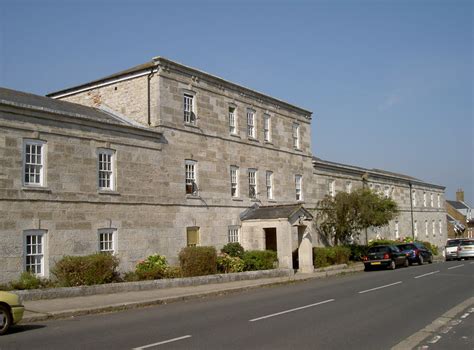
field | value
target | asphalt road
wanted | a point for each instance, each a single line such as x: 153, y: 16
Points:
x: 367, y: 310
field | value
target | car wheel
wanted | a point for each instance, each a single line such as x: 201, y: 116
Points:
x: 366, y: 268
x: 420, y: 260
x: 5, y: 319
x: 392, y: 265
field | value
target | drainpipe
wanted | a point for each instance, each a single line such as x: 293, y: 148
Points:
x: 411, y: 211
x: 149, y: 76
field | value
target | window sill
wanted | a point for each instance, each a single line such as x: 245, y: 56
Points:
x: 297, y: 149
x: 253, y: 139
x: 193, y: 196
x: 255, y: 200
x: 271, y: 201
x: 235, y: 135
x: 268, y: 143
x: 237, y: 199
x: 36, y: 189
x: 109, y: 192
x: 194, y: 126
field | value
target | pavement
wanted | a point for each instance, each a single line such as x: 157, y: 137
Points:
x: 41, y: 310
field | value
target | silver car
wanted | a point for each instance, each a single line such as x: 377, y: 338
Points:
x: 465, y: 249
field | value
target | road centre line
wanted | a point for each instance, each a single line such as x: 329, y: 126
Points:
x: 427, y: 274
x: 291, y: 310
x: 387, y: 285
x: 162, y: 342
x: 455, y: 267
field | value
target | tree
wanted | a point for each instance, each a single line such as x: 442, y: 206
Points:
x: 346, y: 214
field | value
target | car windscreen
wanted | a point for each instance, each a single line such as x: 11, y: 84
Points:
x: 467, y: 243
x: 453, y: 243
x: 379, y: 250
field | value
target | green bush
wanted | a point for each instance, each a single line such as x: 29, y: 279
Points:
x: 383, y: 242
x: 259, y: 260
x: 153, y: 267
x: 86, y: 270
x: 230, y: 264
x: 198, y: 261
x: 28, y: 280
x: 357, y: 251
x: 173, y: 272
x: 326, y: 256
x: 233, y: 249
x: 434, y: 249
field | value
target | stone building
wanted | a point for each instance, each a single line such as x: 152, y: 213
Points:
x: 459, y: 217
x: 161, y: 156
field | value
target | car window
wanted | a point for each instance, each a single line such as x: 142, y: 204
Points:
x: 395, y: 249
x: 453, y: 242
x: 467, y: 243
x: 381, y: 249
x: 405, y: 246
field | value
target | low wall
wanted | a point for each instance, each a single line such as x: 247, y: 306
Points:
x: 69, y: 292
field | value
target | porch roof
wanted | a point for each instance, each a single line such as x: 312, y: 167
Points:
x: 275, y: 212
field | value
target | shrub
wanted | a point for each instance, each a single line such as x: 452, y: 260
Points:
x: 233, y: 249
x: 198, y: 261
x: 357, y: 251
x: 86, y: 270
x: 28, y: 280
x: 173, y: 272
x: 326, y: 256
x: 434, y: 249
x: 382, y: 242
x: 230, y: 264
x: 259, y: 260
x: 153, y: 267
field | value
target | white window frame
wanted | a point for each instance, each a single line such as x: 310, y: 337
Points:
x: 269, y: 184
x: 189, y: 109
x: 31, y: 251
x: 439, y: 201
x: 413, y: 194
x: 252, y: 180
x: 440, y: 227
x: 431, y: 200
x: 416, y: 228
x: 107, y: 240
x: 348, y: 186
x: 397, y: 230
x: 251, y: 125
x: 426, y: 228
x: 234, y: 181
x: 386, y: 191
x: 191, y: 178
x: 296, y: 135
x: 434, y: 228
x: 232, y: 112
x: 424, y: 199
x: 332, y: 188
x: 34, y: 168
x: 299, y: 187
x: 109, y: 171
x: 233, y: 234
x: 267, y: 128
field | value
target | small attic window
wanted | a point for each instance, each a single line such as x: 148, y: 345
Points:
x: 115, y: 88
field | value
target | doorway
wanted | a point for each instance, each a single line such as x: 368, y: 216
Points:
x: 271, y: 238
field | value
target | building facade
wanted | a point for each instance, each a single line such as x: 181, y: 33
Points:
x: 163, y: 156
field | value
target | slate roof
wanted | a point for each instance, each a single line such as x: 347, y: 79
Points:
x: 274, y: 212
x: 46, y: 104
x: 458, y: 205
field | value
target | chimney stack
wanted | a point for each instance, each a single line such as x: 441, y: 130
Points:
x: 460, y: 195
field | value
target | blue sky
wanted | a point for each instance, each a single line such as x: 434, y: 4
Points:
x: 390, y: 82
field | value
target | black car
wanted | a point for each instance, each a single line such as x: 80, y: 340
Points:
x: 416, y: 253
x: 386, y: 256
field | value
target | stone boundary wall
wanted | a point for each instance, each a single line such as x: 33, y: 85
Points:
x: 70, y: 292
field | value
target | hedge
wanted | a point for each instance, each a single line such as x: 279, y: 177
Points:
x: 259, y: 260
x: 198, y: 261
x: 326, y: 256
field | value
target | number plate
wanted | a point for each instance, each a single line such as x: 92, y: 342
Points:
x: 375, y: 263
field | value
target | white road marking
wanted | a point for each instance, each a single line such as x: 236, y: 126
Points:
x: 465, y: 315
x: 427, y: 274
x: 291, y: 310
x: 435, y: 339
x: 162, y: 342
x: 455, y: 267
x: 387, y: 285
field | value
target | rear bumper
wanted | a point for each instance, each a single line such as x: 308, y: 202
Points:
x: 17, y: 313
x: 466, y: 254
x: 376, y: 263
